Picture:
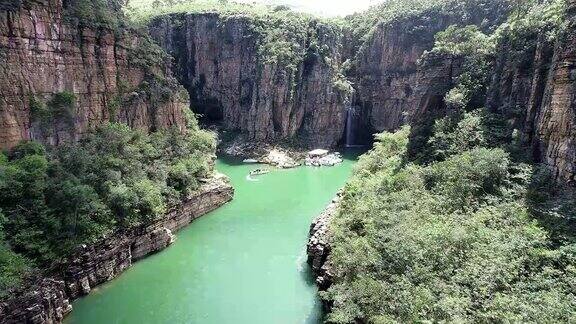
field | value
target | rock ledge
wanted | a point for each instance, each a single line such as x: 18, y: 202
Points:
x: 48, y: 299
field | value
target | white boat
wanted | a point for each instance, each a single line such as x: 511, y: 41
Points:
x: 259, y: 172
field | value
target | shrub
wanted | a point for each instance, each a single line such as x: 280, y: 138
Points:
x: 452, y: 241
x: 53, y: 200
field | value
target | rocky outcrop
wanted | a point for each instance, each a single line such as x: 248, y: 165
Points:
x: 45, y: 302
x: 318, y: 247
x: 48, y: 300
x: 219, y: 62
x: 44, y: 53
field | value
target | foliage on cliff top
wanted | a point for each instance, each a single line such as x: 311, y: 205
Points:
x: 116, y: 177
x: 95, y: 13
x: 282, y: 32
x: 421, y: 18
x: 519, y: 34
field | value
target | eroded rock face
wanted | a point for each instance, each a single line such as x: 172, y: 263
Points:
x: 555, y: 122
x: 318, y: 247
x: 48, y: 300
x: 218, y: 62
x: 387, y: 75
x: 536, y: 90
x: 42, y: 54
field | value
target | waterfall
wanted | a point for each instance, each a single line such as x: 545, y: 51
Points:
x: 352, y: 122
x: 350, y: 112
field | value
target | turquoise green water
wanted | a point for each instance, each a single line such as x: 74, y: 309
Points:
x: 243, y: 263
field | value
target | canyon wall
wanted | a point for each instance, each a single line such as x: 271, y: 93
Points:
x: 218, y: 60
x: 387, y: 80
x: 60, y: 78
x: 536, y: 89
x: 48, y: 299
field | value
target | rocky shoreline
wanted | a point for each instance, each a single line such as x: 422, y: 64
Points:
x: 49, y: 299
x: 318, y: 247
x: 280, y: 156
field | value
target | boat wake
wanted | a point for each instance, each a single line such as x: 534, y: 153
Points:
x: 249, y: 178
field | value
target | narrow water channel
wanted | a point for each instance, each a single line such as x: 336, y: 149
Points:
x: 243, y: 263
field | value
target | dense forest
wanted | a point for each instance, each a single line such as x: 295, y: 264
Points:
x: 55, y: 198
x: 453, y: 220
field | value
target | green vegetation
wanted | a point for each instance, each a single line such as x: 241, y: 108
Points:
x: 459, y: 239
x: 468, y: 229
x: 12, y: 265
x: 281, y: 34
x: 61, y: 106
x: 475, y: 49
x: 116, y: 177
x: 95, y: 13
x: 59, y: 109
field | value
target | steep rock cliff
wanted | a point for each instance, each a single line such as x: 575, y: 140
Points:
x: 535, y: 88
x: 555, y: 122
x: 218, y: 61
x: 48, y: 300
x: 104, y: 74
x: 392, y: 85
x: 387, y: 73
x: 532, y: 86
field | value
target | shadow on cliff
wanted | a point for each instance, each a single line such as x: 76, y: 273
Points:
x: 553, y: 205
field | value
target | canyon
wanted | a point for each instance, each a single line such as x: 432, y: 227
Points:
x: 215, y: 64
x: 219, y: 61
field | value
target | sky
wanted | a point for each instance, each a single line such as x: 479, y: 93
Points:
x: 322, y: 7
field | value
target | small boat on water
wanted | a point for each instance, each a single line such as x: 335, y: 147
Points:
x: 259, y: 172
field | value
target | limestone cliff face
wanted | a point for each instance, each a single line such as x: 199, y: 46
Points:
x: 387, y: 75
x: 555, y: 122
x: 48, y: 300
x: 392, y: 86
x: 44, y: 53
x: 536, y: 90
x: 533, y: 87
x: 218, y: 62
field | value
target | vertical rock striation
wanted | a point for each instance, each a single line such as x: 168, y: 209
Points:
x: 535, y: 89
x: 218, y: 61
x: 555, y: 122
x: 387, y: 73
x: 44, y: 52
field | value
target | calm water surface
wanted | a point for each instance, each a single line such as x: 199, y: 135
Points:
x: 242, y: 263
